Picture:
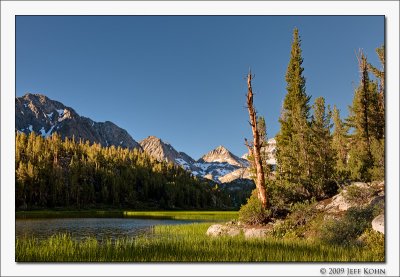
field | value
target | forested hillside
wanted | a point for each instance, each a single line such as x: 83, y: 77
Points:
x: 51, y: 172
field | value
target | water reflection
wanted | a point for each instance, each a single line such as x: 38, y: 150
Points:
x: 100, y: 228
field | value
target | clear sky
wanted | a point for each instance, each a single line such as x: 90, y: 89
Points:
x: 182, y: 78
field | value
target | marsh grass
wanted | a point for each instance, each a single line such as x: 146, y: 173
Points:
x: 186, y: 243
x: 185, y: 215
x: 180, y: 215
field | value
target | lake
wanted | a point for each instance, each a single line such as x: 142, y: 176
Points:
x: 100, y: 228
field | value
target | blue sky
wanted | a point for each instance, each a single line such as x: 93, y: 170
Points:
x: 182, y: 78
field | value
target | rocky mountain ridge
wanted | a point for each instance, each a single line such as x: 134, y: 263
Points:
x: 37, y: 113
x: 214, y: 165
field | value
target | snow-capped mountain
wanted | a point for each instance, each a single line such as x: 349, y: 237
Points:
x: 37, y: 113
x: 214, y: 165
x: 269, y: 150
x: 164, y: 151
x: 223, y: 155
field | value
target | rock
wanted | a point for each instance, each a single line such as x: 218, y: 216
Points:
x: 378, y: 224
x: 222, y: 230
x: 378, y: 200
x: 233, y: 231
x: 338, y: 203
x: 255, y: 233
x: 214, y: 230
x: 360, y: 184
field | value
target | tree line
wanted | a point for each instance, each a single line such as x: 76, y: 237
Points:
x: 51, y: 173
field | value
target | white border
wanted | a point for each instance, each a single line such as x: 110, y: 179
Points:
x: 10, y: 9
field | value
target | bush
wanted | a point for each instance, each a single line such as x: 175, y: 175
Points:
x: 358, y: 195
x: 301, y: 214
x: 374, y: 242
x: 282, y: 193
x: 346, y: 230
x: 252, y: 212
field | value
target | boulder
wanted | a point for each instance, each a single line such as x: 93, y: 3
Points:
x: 378, y: 224
x: 339, y: 203
x: 255, y: 233
x: 232, y: 230
x: 215, y: 230
x: 222, y: 230
x: 378, y: 201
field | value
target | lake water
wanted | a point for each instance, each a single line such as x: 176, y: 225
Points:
x: 80, y: 228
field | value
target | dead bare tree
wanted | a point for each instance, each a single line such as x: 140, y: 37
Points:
x: 255, y: 147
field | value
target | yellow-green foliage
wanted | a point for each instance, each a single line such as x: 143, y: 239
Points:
x: 252, y: 212
x: 187, y: 243
x: 358, y: 195
x: 375, y: 242
x: 53, y: 173
x: 185, y: 215
x: 346, y: 230
x: 298, y: 221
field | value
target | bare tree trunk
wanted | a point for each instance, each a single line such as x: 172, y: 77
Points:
x: 256, y: 149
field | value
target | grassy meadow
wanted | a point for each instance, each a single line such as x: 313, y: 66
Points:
x: 187, y: 243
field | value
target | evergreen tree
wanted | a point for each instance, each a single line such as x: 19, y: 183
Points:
x: 378, y: 144
x: 365, y: 120
x: 323, y: 157
x: 340, y: 146
x: 54, y: 173
x: 379, y: 73
x: 294, y: 138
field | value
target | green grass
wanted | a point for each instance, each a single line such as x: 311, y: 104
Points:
x: 182, y: 215
x: 186, y: 243
x: 188, y: 215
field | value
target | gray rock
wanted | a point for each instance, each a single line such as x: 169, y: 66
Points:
x: 214, y: 230
x: 338, y: 203
x: 217, y: 230
x: 378, y: 224
x: 255, y: 233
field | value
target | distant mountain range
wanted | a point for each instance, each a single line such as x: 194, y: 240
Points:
x: 37, y: 113
x: 214, y: 165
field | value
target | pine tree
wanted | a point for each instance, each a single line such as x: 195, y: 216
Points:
x: 379, y: 73
x: 294, y: 138
x: 378, y: 143
x: 363, y: 118
x: 322, y: 152
x: 340, y: 146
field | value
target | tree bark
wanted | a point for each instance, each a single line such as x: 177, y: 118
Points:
x: 256, y: 149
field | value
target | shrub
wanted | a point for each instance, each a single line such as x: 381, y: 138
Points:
x: 252, y: 212
x: 346, y: 230
x: 282, y: 193
x: 374, y: 242
x: 359, y: 195
x: 301, y: 213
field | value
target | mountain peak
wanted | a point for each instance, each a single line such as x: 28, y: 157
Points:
x: 163, y: 151
x: 223, y: 155
x: 221, y: 148
x: 38, y: 113
x: 158, y: 149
